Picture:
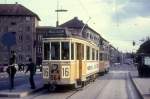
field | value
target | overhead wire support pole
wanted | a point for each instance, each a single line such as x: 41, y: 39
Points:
x: 57, y: 11
x: 57, y: 23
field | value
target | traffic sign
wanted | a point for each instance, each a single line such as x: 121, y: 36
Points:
x: 8, y: 39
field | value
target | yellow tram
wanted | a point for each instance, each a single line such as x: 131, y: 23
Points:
x: 69, y: 61
x: 104, y: 62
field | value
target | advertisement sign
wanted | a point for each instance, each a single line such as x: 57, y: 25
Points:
x: 92, y: 67
x: 147, y: 61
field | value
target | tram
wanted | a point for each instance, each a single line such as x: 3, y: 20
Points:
x: 104, y: 62
x: 68, y: 60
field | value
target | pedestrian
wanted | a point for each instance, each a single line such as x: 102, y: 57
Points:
x: 32, y: 69
x: 11, y: 70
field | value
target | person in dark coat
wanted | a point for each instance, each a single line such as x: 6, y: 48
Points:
x: 11, y: 70
x: 32, y: 69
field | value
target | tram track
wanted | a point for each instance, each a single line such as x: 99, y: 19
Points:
x: 99, y: 84
x: 68, y: 93
x: 115, y: 85
x: 132, y: 91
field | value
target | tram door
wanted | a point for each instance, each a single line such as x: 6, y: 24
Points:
x: 80, y: 55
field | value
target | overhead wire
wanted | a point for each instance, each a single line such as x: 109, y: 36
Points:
x: 84, y: 8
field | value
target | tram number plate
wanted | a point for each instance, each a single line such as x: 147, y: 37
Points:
x: 45, y: 72
x: 65, y: 71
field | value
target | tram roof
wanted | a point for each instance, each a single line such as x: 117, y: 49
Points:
x: 69, y: 38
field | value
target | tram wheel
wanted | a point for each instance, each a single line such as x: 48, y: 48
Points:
x: 51, y: 87
x: 83, y: 83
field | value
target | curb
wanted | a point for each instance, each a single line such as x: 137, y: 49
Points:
x: 20, y: 95
x: 141, y: 96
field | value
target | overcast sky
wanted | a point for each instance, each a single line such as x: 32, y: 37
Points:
x: 118, y: 21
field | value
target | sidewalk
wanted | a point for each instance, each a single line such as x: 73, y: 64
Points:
x: 142, y: 85
x: 5, y: 74
x: 18, y: 73
x: 22, y: 90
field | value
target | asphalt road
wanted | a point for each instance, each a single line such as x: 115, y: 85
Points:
x: 114, y: 85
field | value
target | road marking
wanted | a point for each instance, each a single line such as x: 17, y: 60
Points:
x: 118, y: 71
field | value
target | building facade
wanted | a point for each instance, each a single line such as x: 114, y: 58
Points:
x: 22, y: 22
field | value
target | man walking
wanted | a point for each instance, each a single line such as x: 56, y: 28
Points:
x: 32, y: 69
x: 11, y: 70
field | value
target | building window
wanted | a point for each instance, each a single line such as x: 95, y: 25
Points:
x: 29, y: 47
x: 13, y: 23
x: 87, y: 35
x: 39, y: 49
x: 28, y: 18
x: 20, y: 57
x: 20, y: 29
x: 28, y: 28
x: 19, y: 48
x: 20, y: 38
x: 39, y: 37
x: 100, y: 56
x: 28, y: 38
x: 6, y: 29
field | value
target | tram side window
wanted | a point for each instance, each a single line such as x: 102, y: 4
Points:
x: 93, y: 54
x: 46, y: 51
x: 72, y: 51
x: 82, y: 53
x: 65, y: 50
x: 55, y: 51
x: 87, y: 52
x: 78, y: 51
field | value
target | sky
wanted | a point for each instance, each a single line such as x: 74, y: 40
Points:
x: 119, y: 21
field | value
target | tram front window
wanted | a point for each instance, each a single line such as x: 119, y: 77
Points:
x: 65, y: 50
x: 55, y: 51
x: 46, y: 51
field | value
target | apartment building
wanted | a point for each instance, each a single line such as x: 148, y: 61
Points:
x: 22, y: 22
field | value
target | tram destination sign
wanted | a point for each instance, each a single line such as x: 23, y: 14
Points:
x: 55, y: 33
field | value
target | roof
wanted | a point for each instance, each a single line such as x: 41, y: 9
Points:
x: 43, y: 27
x: 16, y: 10
x: 78, y: 24
x: 145, y: 47
x: 73, y: 23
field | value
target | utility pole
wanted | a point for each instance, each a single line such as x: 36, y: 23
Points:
x: 57, y: 11
x: 84, y: 25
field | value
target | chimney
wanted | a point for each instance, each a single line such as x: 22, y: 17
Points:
x: 76, y: 18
